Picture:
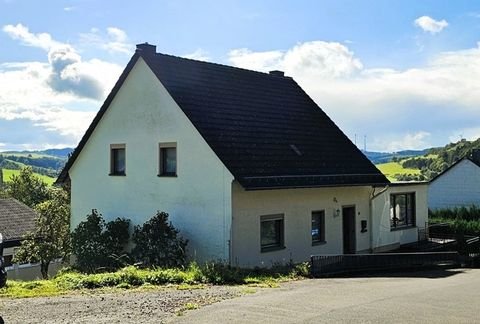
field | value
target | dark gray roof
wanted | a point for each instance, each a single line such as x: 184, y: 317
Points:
x: 266, y: 130
x: 16, y: 219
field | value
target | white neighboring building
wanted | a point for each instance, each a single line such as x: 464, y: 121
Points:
x: 401, y: 213
x: 249, y: 168
x: 457, y: 186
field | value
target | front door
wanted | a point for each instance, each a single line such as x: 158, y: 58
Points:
x: 349, y: 243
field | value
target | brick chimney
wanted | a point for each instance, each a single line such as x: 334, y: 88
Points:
x: 146, y: 48
x: 277, y: 73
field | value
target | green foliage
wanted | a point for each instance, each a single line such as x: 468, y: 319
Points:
x: 97, y: 244
x: 128, y: 277
x: 157, y: 243
x: 28, y: 188
x: 465, y: 220
x: 51, y: 238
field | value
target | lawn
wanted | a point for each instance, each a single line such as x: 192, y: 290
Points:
x: 7, y: 175
x: 390, y: 169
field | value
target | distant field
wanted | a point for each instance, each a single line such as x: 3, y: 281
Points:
x: 392, y: 168
x: 7, y: 174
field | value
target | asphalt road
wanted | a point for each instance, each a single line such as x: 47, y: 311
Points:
x: 441, y: 296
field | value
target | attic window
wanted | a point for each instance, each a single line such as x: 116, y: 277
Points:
x: 295, y: 149
x: 117, y: 159
x: 168, y: 160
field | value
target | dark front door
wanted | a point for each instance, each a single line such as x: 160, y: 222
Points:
x: 349, y: 245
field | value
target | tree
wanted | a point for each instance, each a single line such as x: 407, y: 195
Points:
x: 158, y: 243
x: 51, y: 238
x: 97, y: 244
x: 28, y: 188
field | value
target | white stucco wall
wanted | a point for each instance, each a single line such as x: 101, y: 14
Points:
x: 297, y: 206
x: 459, y: 186
x: 383, y: 238
x: 142, y: 115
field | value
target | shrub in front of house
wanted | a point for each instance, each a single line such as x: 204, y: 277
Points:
x: 158, y: 243
x: 98, y: 245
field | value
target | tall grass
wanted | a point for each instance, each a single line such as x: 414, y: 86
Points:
x: 212, y: 273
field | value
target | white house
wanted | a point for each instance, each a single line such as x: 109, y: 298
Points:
x: 457, y: 186
x: 249, y: 168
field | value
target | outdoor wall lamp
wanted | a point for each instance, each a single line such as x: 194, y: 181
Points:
x: 336, y: 212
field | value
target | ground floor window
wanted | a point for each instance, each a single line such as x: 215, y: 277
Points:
x: 318, y: 227
x: 402, y: 210
x: 271, y: 232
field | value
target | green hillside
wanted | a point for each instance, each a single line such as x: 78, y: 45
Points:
x: 393, y: 170
x: 7, y: 175
x: 48, y: 162
x: 429, y: 165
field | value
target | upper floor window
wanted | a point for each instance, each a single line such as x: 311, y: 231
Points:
x: 402, y: 210
x: 117, y: 159
x: 168, y: 159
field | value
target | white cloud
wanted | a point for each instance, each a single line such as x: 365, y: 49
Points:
x: 56, y: 99
x: 115, y: 40
x: 385, y: 104
x: 408, y: 141
x: 199, y: 54
x: 21, y: 32
x: 430, y: 25
x: 316, y: 58
x: 262, y: 61
x: 68, y: 73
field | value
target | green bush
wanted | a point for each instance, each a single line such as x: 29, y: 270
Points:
x: 99, y: 245
x: 157, y: 243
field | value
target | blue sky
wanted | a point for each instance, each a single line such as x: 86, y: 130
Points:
x: 404, y: 73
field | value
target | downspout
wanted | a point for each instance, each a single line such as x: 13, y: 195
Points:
x: 373, y: 195
x: 230, y: 240
x: 227, y: 212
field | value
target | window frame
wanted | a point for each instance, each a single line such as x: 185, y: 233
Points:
x: 410, y: 211
x: 280, y: 245
x: 321, y: 214
x: 161, y: 159
x: 113, y: 148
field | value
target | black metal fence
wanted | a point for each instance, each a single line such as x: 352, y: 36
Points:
x: 325, y: 265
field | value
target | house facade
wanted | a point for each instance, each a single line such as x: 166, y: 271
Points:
x: 249, y: 168
x: 457, y: 186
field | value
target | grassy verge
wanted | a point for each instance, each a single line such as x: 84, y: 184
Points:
x: 131, y: 277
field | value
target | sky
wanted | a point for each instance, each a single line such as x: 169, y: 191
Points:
x: 392, y: 74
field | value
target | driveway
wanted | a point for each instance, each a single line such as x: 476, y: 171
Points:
x: 440, y: 296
